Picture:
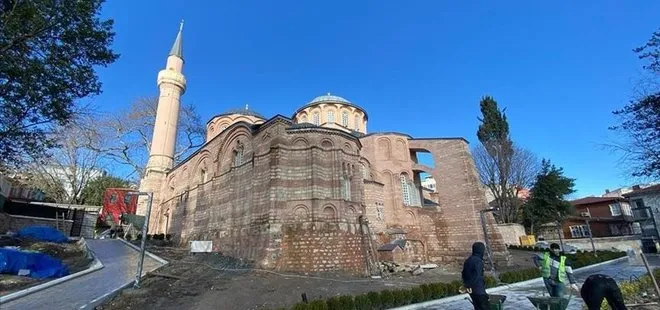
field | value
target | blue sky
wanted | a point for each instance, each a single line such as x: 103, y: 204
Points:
x: 421, y: 68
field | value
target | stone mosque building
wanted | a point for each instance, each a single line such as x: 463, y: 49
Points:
x: 313, y: 191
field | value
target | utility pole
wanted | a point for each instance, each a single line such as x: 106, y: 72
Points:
x: 591, y: 237
x: 145, y: 229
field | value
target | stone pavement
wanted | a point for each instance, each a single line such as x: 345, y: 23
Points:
x: 119, y: 267
x: 516, y: 298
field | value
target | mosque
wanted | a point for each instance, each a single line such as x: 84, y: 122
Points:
x: 312, y: 191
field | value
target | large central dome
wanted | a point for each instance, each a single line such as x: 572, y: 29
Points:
x: 329, y: 98
x: 333, y: 112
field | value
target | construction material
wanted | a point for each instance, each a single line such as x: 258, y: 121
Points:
x: 201, y: 246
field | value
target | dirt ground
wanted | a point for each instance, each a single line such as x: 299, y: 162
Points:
x: 203, y: 282
x: 71, y: 255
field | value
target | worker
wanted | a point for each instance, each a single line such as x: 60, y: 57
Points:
x: 473, y: 277
x: 598, y: 287
x: 555, y: 269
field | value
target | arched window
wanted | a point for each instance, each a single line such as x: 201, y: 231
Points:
x: 357, y: 122
x: 331, y: 117
x: 203, y: 176
x: 317, y: 119
x: 303, y: 119
x: 405, y: 191
x: 344, y: 119
x: 345, y: 188
x: 238, y: 156
x: 365, y: 172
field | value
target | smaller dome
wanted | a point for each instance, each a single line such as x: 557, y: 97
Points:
x: 245, y: 111
x: 329, y: 98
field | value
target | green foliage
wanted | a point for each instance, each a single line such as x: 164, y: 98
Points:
x: 490, y: 281
x: 417, y: 295
x: 387, y: 299
x: 651, y: 52
x: 375, y: 299
x: 546, y: 202
x: 48, y: 52
x: 92, y: 194
x: 334, y: 303
x: 363, y: 302
x: 494, y: 127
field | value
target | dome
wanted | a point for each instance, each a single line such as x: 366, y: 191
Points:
x: 329, y: 98
x: 245, y: 111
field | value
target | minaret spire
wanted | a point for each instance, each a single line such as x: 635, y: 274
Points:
x: 177, y: 47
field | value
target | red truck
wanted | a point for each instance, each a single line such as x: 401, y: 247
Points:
x: 116, y: 202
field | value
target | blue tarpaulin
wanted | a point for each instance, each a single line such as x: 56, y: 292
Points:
x: 42, y: 233
x: 40, y: 265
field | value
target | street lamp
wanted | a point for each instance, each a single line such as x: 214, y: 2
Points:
x: 145, y: 227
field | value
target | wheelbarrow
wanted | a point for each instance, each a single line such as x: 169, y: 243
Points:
x: 495, y: 301
x: 550, y: 303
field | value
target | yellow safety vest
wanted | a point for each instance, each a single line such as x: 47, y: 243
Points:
x: 561, y: 273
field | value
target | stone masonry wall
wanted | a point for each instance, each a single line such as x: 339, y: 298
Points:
x: 447, y: 231
x: 285, y: 207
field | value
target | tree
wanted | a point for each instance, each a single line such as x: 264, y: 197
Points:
x: 639, y: 121
x: 67, y: 169
x: 547, y: 201
x: 128, y: 134
x: 524, y: 167
x: 494, y: 159
x: 92, y: 194
x: 48, y: 51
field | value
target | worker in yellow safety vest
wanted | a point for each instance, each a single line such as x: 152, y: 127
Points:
x: 555, y: 270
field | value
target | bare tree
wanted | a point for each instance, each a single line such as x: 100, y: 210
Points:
x: 63, y: 175
x: 128, y: 134
x: 522, y: 169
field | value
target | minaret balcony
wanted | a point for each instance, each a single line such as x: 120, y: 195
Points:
x: 172, y: 77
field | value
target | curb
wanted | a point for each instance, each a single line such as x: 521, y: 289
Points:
x: 441, y: 301
x: 98, y: 301
x: 96, y: 265
x: 159, y: 259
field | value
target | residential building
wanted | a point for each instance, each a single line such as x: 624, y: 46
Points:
x: 645, y: 204
x: 606, y: 217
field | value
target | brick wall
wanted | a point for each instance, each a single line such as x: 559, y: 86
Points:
x: 285, y: 206
x: 319, y: 247
x: 281, y: 204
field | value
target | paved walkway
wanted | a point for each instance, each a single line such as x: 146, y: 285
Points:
x: 120, y: 264
x: 516, y: 298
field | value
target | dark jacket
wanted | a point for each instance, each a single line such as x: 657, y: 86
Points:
x: 473, y: 270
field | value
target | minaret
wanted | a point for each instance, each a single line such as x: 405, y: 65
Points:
x: 172, y: 84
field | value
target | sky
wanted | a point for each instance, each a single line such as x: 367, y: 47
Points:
x: 558, y: 67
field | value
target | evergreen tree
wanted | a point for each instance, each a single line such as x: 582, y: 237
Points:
x: 495, y: 164
x: 48, y: 53
x: 547, y: 201
x: 92, y: 194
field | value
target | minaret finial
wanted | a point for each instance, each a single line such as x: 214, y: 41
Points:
x: 177, y: 47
